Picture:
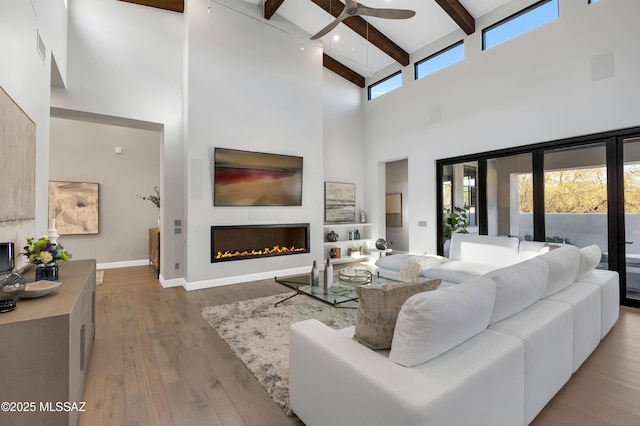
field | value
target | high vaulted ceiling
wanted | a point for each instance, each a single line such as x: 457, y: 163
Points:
x: 365, y: 45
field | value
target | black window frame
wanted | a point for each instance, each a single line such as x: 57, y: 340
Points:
x: 439, y: 52
x: 512, y: 17
x: 389, y: 77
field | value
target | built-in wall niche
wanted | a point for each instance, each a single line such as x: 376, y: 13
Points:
x: 240, y: 242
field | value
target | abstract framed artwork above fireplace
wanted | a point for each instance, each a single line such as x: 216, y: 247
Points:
x: 241, y: 242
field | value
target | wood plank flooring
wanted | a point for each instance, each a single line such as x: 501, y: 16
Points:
x: 156, y: 361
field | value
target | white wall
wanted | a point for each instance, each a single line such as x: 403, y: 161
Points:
x: 25, y: 76
x: 537, y: 87
x: 125, y: 62
x: 250, y: 87
x: 85, y: 152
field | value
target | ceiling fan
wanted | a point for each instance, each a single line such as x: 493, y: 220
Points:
x: 353, y: 8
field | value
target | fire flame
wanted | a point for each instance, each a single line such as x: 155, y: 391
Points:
x: 265, y: 251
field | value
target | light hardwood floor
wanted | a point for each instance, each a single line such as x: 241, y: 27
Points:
x: 156, y: 361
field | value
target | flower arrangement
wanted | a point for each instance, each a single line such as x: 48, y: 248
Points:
x: 154, y: 198
x: 43, y: 251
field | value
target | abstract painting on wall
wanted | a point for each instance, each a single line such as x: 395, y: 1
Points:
x: 74, y: 206
x: 243, y: 178
x: 339, y: 202
x: 17, y: 172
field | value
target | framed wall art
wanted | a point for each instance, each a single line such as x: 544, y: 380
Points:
x: 74, y: 206
x: 339, y: 202
x: 244, y: 178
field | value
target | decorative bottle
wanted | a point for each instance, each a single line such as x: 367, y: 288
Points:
x: 315, y: 275
x: 327, y: 282
x: 356, y: 235
x: 52, y: 232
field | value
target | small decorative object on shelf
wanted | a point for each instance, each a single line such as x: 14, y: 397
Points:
x: 315, y: 275
x: 45, y: 255
x: 52, y: 232
x: 327, y: 282
x: 350, y: 235
x: 332, y: 237
x: 11, y: 283
x: 11, y: 287
x: 363, y: 216
x: 356, y: 235
x: 381, y: 244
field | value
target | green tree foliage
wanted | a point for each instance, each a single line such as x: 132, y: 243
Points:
x: 579, y: 190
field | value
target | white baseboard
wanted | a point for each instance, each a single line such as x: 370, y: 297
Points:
x: 217, y: 282
x: 175, y: 282
x: 125, y: 264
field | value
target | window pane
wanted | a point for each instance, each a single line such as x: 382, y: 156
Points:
x: 440, y: 60
x: 386, y: 85
x: 510, y: 196
x: 632, y: 216
x: 459, y: 198
x: 520, y: 23
x: 575, y: 196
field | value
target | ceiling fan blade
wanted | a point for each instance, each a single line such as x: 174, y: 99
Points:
x: 326, y: 30
x: 385, y: 13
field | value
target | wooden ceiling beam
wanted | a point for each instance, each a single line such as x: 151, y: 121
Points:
x: 331, y: 64
x: 459, y: 14
x: 172, y: 5
x: 270, y: 7
x: 366, y: 31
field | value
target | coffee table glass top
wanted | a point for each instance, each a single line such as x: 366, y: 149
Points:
x: 343, y: 289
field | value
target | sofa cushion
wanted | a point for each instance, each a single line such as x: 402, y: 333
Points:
x: 457, y: 271
x: 564, y: 263
x: 589, y: 258
x: 392, y: 262
x: 378, y: 307
x: 431, y: 323
x: 531, y: 249
x: 490, y: 250
x: 517, y: 287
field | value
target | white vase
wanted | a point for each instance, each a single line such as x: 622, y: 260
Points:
x: 315, y: 275
x: 52, y: 232
x: 327, y: 282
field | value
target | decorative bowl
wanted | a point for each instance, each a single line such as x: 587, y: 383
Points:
x: 39, y: 288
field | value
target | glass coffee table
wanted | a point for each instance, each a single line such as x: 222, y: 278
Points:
x: 343, y: 292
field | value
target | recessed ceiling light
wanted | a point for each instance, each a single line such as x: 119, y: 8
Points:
x: 336, y: 37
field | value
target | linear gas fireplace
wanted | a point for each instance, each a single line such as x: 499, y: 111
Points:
x: 256, y: 241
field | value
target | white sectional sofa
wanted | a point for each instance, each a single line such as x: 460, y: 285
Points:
x: 492, y: 350
x: 470, y: 255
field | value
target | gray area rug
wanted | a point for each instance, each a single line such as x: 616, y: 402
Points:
x: 258, y: 333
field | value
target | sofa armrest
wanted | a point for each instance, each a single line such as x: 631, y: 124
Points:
x: 336, y: 380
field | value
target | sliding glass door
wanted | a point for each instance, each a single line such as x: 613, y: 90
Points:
x: 631, y: 244
x: 579, y: 191
x: 575, y: 197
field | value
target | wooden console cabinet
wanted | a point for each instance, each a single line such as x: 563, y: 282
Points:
x: 46, y: 348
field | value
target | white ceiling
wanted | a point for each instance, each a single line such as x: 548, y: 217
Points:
x: 430, y: 23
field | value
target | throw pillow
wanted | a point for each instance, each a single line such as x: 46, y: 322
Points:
x: 590, y: 257
x: 378, y: 307
x: 410, y: 271
x: 429, y: 324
